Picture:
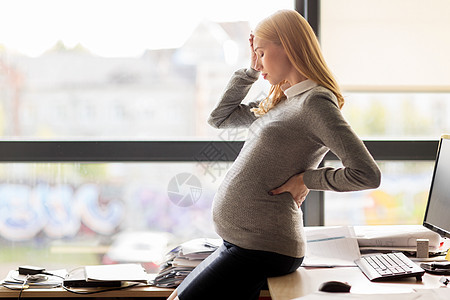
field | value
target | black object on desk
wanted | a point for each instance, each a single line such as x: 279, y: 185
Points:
x: 335, y: 287
x: 31, y: 270
x: 437, y: 268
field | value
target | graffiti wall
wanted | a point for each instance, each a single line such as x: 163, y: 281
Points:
x: 63, y: 201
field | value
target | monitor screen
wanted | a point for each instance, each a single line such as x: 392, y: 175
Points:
x: 437, y: 214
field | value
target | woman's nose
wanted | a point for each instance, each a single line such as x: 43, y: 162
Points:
x: 258, y: 65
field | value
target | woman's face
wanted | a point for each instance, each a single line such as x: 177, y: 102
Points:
x: 272, y: 61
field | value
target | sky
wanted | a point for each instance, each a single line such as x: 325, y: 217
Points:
x: 118, y: 27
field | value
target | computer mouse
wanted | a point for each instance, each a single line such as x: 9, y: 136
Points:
x: 335, y: 287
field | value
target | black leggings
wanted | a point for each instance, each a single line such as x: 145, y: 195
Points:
x: 232, y: 272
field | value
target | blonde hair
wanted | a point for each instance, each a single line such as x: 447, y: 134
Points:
x: 289, y: 29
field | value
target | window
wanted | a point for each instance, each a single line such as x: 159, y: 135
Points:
x: 390, y: 58
x: 114, y: 70
x: 89, y: 213
x: 120, y: 69
x: 401, y: 198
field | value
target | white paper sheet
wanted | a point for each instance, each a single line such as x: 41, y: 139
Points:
x: 422, y: 294
x: 331, y: 247
x: 117, y: 272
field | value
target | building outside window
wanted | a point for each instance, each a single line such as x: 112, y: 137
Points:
x: 122, y: 71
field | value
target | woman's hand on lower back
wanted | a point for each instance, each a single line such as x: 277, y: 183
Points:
x: 295, y: 186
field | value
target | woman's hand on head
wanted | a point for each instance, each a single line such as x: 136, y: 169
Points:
x: 295, y: 186
x: 253, y: 57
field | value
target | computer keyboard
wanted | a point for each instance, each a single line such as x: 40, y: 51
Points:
x: 388, y: 266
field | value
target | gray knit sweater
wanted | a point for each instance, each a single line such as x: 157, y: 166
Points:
x: 291, y: 138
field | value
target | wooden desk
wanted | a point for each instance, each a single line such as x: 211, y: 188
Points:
x: 135, y: 292
x: 307, y: 280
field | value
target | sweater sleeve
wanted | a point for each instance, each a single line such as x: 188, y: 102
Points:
x: 359, y: 171
x: 230, y: 112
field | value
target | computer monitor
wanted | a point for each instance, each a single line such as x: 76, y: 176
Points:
x: 437, y: 214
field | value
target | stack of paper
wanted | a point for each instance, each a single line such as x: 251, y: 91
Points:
x: 396, y: 237
x: 181, y: 260
x: 14, y: 280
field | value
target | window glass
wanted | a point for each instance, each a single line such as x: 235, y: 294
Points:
x: 400, y: 199
x: 391, y: 59
x: 64, y: 215
x: 398, y: 115
x: 134, y: 69
x: 120, y: 70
